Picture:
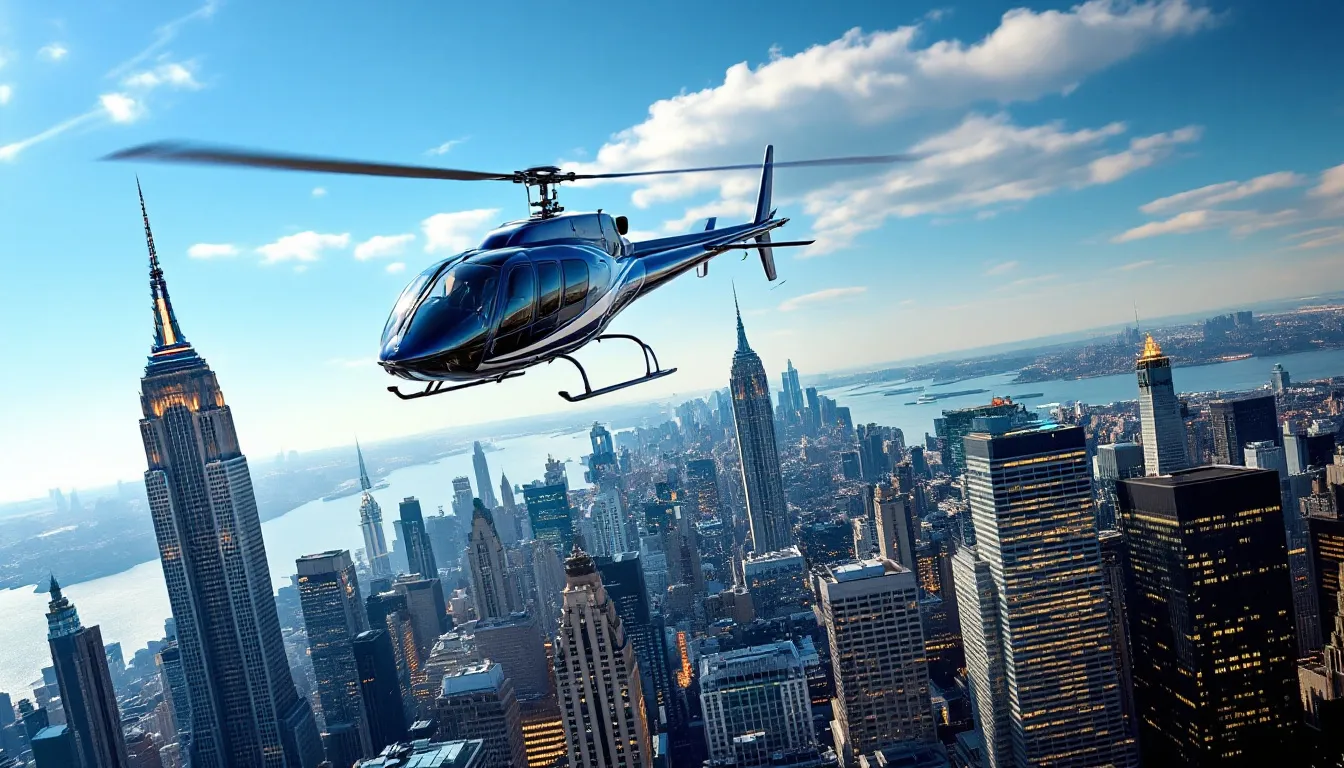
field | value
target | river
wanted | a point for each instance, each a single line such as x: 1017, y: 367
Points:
x: 132, y: 605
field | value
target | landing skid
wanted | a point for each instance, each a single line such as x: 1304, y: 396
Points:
x: 440, y: 387
x: 651, y: 371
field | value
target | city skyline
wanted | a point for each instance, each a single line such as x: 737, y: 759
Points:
x: 1062, y: 147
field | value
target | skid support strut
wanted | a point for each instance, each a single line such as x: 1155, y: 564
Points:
x: 651, y: 370
x: 441, y: 387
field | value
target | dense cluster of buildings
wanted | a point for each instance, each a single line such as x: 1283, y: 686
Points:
x: 759, y: 582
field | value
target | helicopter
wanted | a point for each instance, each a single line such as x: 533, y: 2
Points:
x: 533, y: 290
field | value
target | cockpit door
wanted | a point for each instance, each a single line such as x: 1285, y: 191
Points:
x: 518, y: 310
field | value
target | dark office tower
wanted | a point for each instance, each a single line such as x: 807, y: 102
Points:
x: 1210, y: 617
x: 555, y: 473
x: 813, y: 406
x: 702, y: 488
x: 333, y: 614
x: 483, y: 482
x: 419, y: 554
x: 793, y: 393
x: 1114, y: 463
x: 550, y: 515
x: 87, y: 696
x: 174, y: 682
x: 1113, y: 567
x: 767, y: 512
x: 1324, y: 510
x: 623, y: 578
x: 54, y: 747
x: 953, y: 427
x: 388, y: 610
x: 492, y: 585
x: 427, y: 610
x: 245, y: 710
x: 1164, y: 448
x: 850, y: 468
x: 379, y: 689
x: 1241, y: 420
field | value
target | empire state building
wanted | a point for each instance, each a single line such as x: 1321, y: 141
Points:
x: 755, y: 420
x: 245, y: 710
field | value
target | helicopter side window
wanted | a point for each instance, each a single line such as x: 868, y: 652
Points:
x: 576, y: 281
x: 548, y: 275
x: 519, y: 294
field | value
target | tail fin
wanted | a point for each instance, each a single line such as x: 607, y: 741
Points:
x: 763, y: 212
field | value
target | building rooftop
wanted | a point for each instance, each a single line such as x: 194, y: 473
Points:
x: 427, y: 754
x: 1187, y: 477
x: 483, y: 676
x: 779, y: 554
x: 782, y: 650
x: 865, y: 569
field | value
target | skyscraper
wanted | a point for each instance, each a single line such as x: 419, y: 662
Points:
x: 609, y: 528
x: 462, y: 496
x: 871, y: 611
x: 419, y: 554
x: 245, y: 710
x: 1164, y: 449
x: 777, y: 582
x: 1240, y: 420
x: 550, y: 514
x: 1279, y: 380
x: 1114, y: 462
x: 1045, y: 600
x: 623, y: 579
x: 506, y: 492
x: 477, y: 702
x: 492, y: 584
x: 895, y: 526
x: 174, y: 681
x: 767, y: 512
x: 483, y: 482
x: 1210, y: 617
x: 87, y: 696
x: 758, y: 689
x: 792, y: 401
x: 380, y: 689
x: 333, y: 615
x: 954, y: 425
x: 371, y: 523
x: 597, y: 676
x: 426, y: 609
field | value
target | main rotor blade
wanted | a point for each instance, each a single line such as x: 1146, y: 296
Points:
x: 860, y: 160
x: 200, y: 154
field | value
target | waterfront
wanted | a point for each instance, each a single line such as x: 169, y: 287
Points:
x: 131, y: 605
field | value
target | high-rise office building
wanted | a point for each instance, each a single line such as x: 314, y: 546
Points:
x: 777, y: 582
x: 333, y: 615
x: 518, y: 644
x: 555, y: 473
x: 1032, y: 602
x: 1164, y: 448
x: 245, y: 710
x: 894, y: 524
x: 1114, y: 462
x: 483, y: 482
x: 767, y: 511
x: 871, y: 611
x: 1241, y: 420
x: 462, y: 496
x: 1210, y: 617
x: 379, y: 688
x: 1113, y: 568
x: 954, y: 425
x: 623, y: 579
x: 610, y: 533
x: 53, y: 747
x: 1324, y: 512
x: 426, y: 608
x: 792, y: 400
x: 506, y: 492
x: 419, y: 553
x: 598, y: 677
x: 174, y: 682
x: 477, y: 702
x: 551, y: 516
x: 758, y: 689
x: 492, y: 585
x: 87, y: 696
x: 371, y: 523
x: 1279, y: 380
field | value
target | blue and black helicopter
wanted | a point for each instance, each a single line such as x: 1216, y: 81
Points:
x: 534, y: 290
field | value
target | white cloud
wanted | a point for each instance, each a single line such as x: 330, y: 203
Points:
x: 121, y: 108
x: 396, y: 267
x: 456, y: 231
x: 10, y: 152
x: 1332, y: 183
x: 171, y: 74
x: 303, y: 247
x: 1001, y: 268
x: 445, y: 147
x: 1023, y: 282
x: 163, y: 35
x: 379, y: 246
x: 1133, y: 265
x: 6, y: 92
x: 818, y: 297
x: 1180, y: 224
x: 319, y: 191
x: 846, y: 93
x: 212, y: 250
x: 1225, y: 192
x: 52, y: 52
x: 1319, y: 237
x: 1142, y: 152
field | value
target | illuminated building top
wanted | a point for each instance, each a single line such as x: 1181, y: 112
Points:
x: 1151, y: 350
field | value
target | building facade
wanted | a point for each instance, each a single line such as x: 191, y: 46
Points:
x: 371, y: 524
x: 482, y: 467
x: 1164, y: 447
x: 1241, y: 420
x: 334, y: 615
x: 88, y: 698
x: 477, y: 702
x: 551, y: 516
x: 753, y: 415
x: 758, y: 689
x: 379, y: 688
x: 419, y: 553
x: 492, y: 585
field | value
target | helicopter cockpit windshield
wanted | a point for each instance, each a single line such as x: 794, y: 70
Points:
x: 453, y: 314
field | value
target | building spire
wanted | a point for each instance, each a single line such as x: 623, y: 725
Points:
x: 742, y: 345
x: 55, y: 590
x: 1151, y: 349
x: 364, y: 483
x: 167, y: 334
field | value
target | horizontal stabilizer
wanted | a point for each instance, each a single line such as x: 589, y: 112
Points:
x: 749, y: 246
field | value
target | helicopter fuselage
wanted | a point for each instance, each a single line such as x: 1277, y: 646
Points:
x: 533, y: 290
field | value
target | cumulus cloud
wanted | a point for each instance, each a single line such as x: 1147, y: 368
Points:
x: 52, y: 52
x: 171, y: 74
x: 121, y: 108
x: 444, y: 148
x: 212, y: 250
x: 819, y: 297
x: 396, y: 267
x: 1225, y: 192
x: 456, y: 231
x: 380, y: 246
x: 1331, y: 184
x: 1142, y: 152
x: 302, y: 247
x: 6, y: 92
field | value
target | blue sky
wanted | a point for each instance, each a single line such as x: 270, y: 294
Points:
x: 1080, y: 159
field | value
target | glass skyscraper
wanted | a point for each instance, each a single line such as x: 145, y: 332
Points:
x: 87, y: 695
x: 419, y: 554
x: 1164, y: 449
x: 549, y: 512
x: 1237, y: 421
x: 767, y: 512
x: 245, y: 710
x: 482, y: 468
x: 333, y: 615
